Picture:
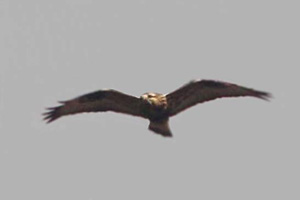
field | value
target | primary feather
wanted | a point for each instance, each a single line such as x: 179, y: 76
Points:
x: 102, y: 100
x: 206, y: 90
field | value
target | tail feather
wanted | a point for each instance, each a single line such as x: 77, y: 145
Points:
x: 160, y: 127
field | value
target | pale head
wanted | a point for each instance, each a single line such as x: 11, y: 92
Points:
x: 155, y: 99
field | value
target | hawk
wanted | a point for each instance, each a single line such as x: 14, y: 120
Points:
x: 155, y: 107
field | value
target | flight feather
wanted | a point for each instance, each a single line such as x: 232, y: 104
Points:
x: 102, y: 100
x: 206, y: 90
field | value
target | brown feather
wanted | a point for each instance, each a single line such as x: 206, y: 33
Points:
x: 103, y: 100
x: 206, y: 90
x: 160, y: 127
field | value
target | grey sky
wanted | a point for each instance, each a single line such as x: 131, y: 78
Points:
x: 240, y: 148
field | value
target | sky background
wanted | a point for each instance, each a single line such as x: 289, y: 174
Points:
x: 241, y: 148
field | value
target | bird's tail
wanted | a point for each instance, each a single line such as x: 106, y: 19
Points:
x: 161, y: 127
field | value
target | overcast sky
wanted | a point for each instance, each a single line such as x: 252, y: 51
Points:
x: 234, y: 149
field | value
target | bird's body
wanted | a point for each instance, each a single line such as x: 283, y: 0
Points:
x: 154, y: 105
x: 158, y: 108
x: 155, y: 108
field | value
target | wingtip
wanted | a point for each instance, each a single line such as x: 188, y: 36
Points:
x: 265, y: 96
x: 52, y: 114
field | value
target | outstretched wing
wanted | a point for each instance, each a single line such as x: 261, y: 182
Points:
x: 205, y: 90
x: 103, y: 100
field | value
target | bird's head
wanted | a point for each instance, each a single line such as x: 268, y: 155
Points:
x: 149, y: 97
x: 155, y: 99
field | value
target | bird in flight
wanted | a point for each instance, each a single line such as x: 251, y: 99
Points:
x: 155, y: 107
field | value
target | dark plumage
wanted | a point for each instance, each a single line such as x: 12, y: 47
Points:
x: 153, y: 106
